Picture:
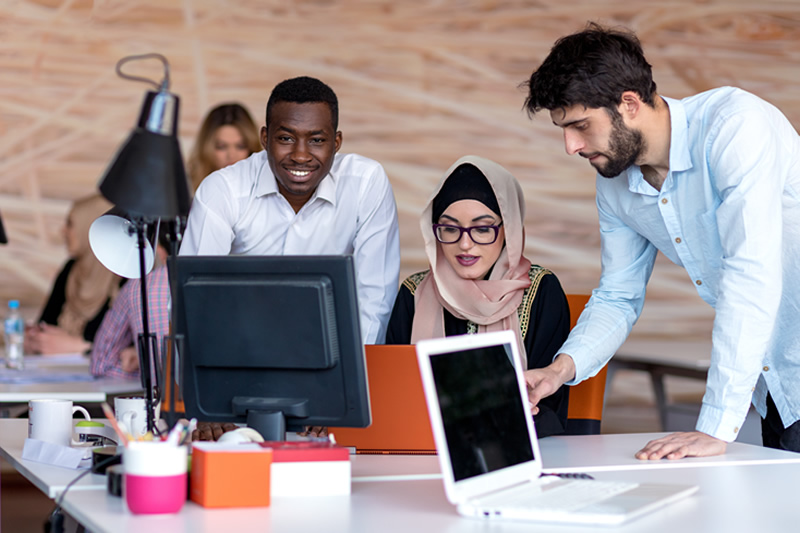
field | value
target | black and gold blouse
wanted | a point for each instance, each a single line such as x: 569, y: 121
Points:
x: 544, y: 326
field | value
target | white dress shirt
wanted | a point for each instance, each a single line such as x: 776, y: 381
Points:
x: 238, y: 210
x: 729, y: 213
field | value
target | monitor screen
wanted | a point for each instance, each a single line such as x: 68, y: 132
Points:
x: 270, y: 340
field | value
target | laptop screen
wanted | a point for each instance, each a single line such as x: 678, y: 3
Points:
x: 483, y: 417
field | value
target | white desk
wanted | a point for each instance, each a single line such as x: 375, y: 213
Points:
x: 750, y: 480
x: 89, y: 391
x: 603, y: 453
x: 49, y: 479
x: 736, y: 498
x: 586, y: 453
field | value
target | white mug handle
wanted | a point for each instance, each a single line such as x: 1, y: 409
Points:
x: 86, y: 416
x: 127, y: 420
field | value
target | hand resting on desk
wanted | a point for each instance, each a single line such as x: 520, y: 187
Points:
x: 313, y: 431
x: 46, y: 339
x: 129, y: 359
x: 211, y: 430
x: 214, y: 430
x: 680, y: 445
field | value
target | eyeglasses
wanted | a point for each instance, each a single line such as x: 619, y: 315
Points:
x: 449, y: 234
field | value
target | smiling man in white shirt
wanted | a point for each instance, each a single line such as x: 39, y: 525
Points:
x: 301, y: 197
x: 713, y: 182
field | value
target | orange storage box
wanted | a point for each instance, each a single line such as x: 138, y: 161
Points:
x: 230, y: 475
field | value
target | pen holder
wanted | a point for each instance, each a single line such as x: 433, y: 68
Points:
x: 155, y: 477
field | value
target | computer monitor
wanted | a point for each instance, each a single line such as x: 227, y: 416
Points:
x: 271, y: 341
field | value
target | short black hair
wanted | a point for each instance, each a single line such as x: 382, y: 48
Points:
x: 591, y: 68
x: 304, y: 90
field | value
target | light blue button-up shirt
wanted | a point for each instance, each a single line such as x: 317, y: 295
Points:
x: 729, y: 213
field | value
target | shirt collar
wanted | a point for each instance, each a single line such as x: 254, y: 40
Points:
x: 680, y: 158
x: 267, y: 184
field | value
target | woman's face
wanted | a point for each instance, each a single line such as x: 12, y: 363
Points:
x: 470, y: 260
x: 229, y: 146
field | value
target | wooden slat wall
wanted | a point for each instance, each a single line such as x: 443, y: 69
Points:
x: 420, y: 82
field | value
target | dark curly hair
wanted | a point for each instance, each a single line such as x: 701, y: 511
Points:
x: 591, y: 68
x: 303, y: 90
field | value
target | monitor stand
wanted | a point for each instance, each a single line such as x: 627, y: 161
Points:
x: 268, y: 415
x: 271, y: 424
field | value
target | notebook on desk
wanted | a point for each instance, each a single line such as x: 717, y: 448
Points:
x: 400, y: 422
x: 487, y: 445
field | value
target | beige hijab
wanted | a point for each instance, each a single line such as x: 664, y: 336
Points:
x: 89, y: 283
x: 492, y: 303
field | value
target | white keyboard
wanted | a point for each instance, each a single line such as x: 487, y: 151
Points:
x: 556, y: 496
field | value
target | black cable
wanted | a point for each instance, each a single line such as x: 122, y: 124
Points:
x: 55, y: 522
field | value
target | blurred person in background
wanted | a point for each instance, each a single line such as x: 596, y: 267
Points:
x: 228, y: 135
x: 82, y: 292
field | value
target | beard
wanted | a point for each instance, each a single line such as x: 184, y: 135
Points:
x: 625, y: 145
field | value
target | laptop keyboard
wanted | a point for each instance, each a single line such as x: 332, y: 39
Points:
x: 559, y: 496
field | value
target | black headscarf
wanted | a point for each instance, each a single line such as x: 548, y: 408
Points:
x: 465, y: 183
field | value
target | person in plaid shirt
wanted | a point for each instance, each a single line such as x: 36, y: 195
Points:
x: 114, y: 353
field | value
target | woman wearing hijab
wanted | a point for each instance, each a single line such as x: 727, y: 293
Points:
x: 479, y: 280
x: 81, y: 293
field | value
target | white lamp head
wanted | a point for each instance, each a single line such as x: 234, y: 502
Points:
x: 113, y: 241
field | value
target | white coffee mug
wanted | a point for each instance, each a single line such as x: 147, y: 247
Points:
x: 131, y: 413
x: 51, y: 420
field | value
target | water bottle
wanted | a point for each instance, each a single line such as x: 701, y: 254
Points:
x: 14, y: 336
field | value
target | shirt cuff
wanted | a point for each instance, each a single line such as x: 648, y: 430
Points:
x: 720, y: 424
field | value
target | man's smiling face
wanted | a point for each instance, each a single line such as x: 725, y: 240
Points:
x: 301, y: 143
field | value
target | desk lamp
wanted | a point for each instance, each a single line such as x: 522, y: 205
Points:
x: 147, y: 181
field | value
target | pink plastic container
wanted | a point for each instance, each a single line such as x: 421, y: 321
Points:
x: 155, y: 494
x: 155, y: 477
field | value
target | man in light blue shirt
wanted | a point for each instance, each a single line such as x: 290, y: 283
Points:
x: 713, y: 182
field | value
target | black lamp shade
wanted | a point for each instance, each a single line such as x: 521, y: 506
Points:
x: 147, y: 177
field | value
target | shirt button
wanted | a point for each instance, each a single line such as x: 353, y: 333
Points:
x: 736, y: 430
x: 753, y: 389
x: 664, y: 200
x: 678, y: 240
x: 766, y: 369
x: 699, y: 282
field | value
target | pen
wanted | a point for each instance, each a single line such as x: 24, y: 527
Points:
x: 176, y: 433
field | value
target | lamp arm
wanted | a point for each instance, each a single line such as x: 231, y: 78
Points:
x: 145, y: 346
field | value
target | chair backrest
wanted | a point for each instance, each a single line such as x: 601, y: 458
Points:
x: 586, y: 398
x: 400, y: 422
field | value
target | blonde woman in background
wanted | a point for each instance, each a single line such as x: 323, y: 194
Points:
x: 82, y: 292
x: 228, y: 135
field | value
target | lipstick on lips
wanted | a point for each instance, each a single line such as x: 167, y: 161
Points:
x: 467, y: 260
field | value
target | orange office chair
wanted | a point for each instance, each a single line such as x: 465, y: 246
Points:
x: 400, y: 423
x: 586, y: 398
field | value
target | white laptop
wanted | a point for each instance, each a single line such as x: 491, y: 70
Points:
x: 487, y: 446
